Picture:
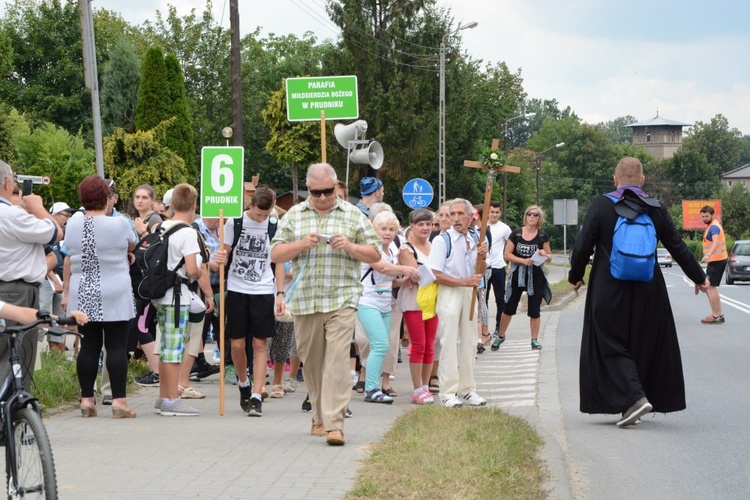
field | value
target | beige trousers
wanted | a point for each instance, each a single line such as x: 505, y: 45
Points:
x: 458, y: 341
x: 323, y: 342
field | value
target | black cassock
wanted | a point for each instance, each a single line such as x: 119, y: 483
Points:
x: 629, y: 347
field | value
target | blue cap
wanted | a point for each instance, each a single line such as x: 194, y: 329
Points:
x: 369, y: 185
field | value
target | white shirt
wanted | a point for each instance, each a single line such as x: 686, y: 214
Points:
x: 378, y: 287
x: 461, y: 263
x: 250, y: 272
x: 182, y: 242
x: 500, y: 233
x: 22, y: 240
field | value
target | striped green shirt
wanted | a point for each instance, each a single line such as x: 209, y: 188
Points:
x: 328, y: 279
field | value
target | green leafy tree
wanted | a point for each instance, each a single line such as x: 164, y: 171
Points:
x: 119, y: 87
x: 617, y: 130
x: 154, y: 103
x: 43, y: 42
x: 143, y: 157
x: 7, y: 150
x: 51, y: 150
x: 745, y: 156
x: 721, y: 145
x: 694, y: 177
x: 735, y: 212
x: 180, y: 133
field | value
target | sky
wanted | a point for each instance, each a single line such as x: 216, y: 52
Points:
x: 687, y: 60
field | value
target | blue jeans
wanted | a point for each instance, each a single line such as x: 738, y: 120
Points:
x: 377, y: 327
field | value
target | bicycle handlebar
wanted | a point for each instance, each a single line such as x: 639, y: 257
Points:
x: 42, y: 319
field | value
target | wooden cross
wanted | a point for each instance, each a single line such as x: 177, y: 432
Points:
x: 491, y: 172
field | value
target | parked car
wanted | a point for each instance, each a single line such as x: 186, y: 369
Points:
x: 738, y: 265
x: 663, y: 257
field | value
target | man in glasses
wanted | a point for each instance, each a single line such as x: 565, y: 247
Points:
x: 326, y: 239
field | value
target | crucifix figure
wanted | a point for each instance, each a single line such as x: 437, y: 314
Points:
x: 491, y: 172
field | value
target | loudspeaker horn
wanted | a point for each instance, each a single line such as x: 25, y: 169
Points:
x: 346, y: 133
x: 371, y: 155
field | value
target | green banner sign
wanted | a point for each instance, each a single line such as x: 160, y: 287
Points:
x: 222, y: 182
x: 307, y: 97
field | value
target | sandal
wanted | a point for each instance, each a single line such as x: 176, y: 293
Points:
x: 711, y: 319
x: 277, y: 392
x: 378, y: 396
x: 434, y: 388
x: 189, y: 393
x: 389, y: 392
x: 359, y: 386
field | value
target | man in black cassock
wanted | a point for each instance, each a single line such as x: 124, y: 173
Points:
x: 630, y: 356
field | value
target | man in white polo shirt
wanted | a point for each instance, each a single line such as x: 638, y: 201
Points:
x: 456, y: 276
x: 500, y: 232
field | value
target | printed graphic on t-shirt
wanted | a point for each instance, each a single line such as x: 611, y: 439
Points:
x: 525, y: 250
x: 251, y: 256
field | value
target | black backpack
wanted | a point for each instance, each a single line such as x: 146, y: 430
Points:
x: 151, y: 256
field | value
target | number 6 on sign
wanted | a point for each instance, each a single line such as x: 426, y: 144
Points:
x: 222, y: 181
x: 221, y: 177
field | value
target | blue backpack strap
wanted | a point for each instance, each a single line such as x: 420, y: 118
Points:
x: 447, y: 244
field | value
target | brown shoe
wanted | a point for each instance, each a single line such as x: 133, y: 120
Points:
x: 317, y: 430
x: 335, y: 438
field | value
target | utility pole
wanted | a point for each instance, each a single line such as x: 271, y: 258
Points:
x: 234, y: 24
x: 91, y: 78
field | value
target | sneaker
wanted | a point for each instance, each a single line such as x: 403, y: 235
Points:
x: 287, y: 366
x: 245, y: 398
x: 289, y: 385
x: 178, y: 408
x: 194, y: 377
x: 203, y: 371
x: 300, y: 377
x: 349, y: 413
x: 496, y: 343
x: 256, y: 408
x: 474, y: 399
x: 635, y: 412
x: 157, y: 406
x: 451, y: 402
x: 306, y: 404
x: 230, y: 376
x: 535, y: 344
x: 151, y: 379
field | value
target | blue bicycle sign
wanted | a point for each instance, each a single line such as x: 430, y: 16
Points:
x: 417, y: 193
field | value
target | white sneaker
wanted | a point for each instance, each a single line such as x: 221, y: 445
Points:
x: 473, y: 399
x: 289, y: 385
x: 451, y: 402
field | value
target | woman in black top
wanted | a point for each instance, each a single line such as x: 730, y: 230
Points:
x: 523, y: 275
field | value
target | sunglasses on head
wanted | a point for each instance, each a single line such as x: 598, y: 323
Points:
x: 317, y: 193
x: 532, y: 214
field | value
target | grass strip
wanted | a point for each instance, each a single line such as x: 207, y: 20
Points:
x: 466, y: 453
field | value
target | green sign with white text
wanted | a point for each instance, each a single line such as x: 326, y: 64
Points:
x: 222, y: 181
x: 307, y: 97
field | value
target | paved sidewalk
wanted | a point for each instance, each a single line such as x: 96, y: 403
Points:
x: 228, y: 456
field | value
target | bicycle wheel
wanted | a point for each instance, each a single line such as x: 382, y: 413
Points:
x: 35, y: 467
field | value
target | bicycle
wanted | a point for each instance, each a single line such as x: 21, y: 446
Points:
x: 29, y: 465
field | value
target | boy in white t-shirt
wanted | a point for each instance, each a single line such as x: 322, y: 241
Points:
x: 250, y: 302
x: 183, y: 243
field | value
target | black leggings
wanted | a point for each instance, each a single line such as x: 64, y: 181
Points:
x: 114, y: 336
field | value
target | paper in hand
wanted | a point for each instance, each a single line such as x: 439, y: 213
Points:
x: 537, y: 259
x: 425, y: 275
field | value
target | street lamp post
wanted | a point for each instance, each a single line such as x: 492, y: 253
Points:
x: 505, y: 150
x: 441, y: 131
x: 538, y: 165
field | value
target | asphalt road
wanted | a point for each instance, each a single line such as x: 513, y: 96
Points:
x: 697, y: 453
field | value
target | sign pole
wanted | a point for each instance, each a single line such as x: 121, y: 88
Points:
x: 323, y: 135
x: 221, y: 315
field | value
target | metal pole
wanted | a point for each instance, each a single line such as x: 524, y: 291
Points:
x: 441, y: 129
x: 91, y: 78
x: 565, y: 235
x: 505, y: 175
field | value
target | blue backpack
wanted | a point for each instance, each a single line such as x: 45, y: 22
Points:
x: 633, y: 256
